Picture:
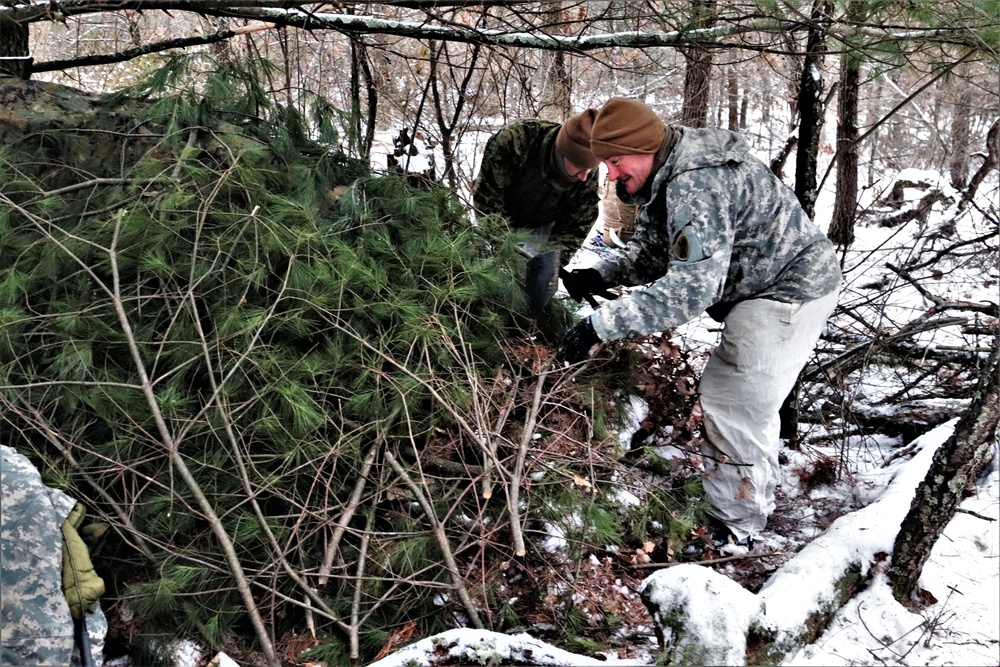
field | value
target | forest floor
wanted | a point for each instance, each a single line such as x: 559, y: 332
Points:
x: 607, y: 583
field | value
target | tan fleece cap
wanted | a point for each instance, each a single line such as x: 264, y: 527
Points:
x: 625, y: 127
x: 573, y: 139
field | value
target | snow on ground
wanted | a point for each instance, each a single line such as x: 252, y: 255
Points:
x: 961, y: 628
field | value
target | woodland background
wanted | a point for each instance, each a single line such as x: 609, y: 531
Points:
x: 864, y: 99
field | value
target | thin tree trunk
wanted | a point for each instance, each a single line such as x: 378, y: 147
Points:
x: 555, y: 104
x: 955, y: 467
x: 845, y: 205
x: 697, y: 79
x: 961, y: 138
x: 734, y: 101
x: 447, y: 121
x: 361, y: 143
x: 991, y: 162
x: 556, y: 100
x: 811, y: 110
x: 354, y: 124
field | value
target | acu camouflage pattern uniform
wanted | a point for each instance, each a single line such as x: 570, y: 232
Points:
x: 36, y: 627
x: 522, y: 178
x: 717, y: 228
x: 36, y: 621
x: 717, y: 231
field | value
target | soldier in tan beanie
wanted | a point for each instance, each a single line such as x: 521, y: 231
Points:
x: 542, y: 176
x: 715, y: 232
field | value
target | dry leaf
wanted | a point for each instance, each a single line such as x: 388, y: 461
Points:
x: 640, y: 557
x: 746, y: 490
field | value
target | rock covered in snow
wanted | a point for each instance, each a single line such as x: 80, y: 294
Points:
x: 701, y: 616
x: 466, y: 646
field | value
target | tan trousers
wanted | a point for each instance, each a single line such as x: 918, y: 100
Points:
x: 764, y: 346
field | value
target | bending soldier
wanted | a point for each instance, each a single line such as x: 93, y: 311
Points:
x: 542, y: 176
x: 716, y: 231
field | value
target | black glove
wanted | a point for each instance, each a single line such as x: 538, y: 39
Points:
x: 584, y: 284
x: 581, y: 283
x: 577, y: 342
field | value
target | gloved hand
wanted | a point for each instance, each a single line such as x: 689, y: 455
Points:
x: 577, y: 342
x: 80, y: 583
x: 584, y: 283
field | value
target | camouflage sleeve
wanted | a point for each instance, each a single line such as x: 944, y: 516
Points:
x: 36, y: 625
x: 639, y: 262
x: 685, y: 259
x: 500, y: 160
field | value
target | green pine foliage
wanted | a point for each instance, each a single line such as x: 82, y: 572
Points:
x: 271, y: 290
x: 235, y: 294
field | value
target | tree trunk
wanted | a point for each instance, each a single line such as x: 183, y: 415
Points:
x: 961, y: 137
x: 989, y: 164
x: 15, y: 58
x: 956, y: 465
x: 360, y: 143
x: 811, y: 108
x: 697, y: 79
x: 789, y: 416
x: 447, y: 119
x: 734, y: 101
x: 556, y: 99
x: 354, y: 124
x: 845, y: 205
x: 555, y: 104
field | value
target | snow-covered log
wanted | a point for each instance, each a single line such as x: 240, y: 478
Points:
x: 706, y: 618
x: 464, y: 646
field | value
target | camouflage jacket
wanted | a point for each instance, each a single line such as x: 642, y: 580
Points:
x: 718, y: 228
x: 35, y: 623
x: 522, y: 178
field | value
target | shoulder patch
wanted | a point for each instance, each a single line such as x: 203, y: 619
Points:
x: 686, y: 247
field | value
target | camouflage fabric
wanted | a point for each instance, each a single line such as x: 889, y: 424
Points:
x: 35, y: 623
x: 718, y: 228
x: 75, y: 133
x: 522, y: 177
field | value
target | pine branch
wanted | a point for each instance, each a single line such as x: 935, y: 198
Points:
x: 442, y: 540
x: 238, y: 457
x: 177, y: 460
x: 513, y: 495
x: 460, y: 419
x: 57, y: 440
x: 490, y: 452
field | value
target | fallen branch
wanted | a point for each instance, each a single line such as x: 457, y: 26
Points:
x: 711, y: 561
x: 513, y: 495
x: 442, y: 540
x: 975, y: 514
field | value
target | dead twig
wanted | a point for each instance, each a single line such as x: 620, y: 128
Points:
x: 712, y: 561
x: 442, y: 540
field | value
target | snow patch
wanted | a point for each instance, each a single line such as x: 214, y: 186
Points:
x: 704, y: 615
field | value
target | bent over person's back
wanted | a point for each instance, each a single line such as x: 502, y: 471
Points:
x: 540, y: 175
